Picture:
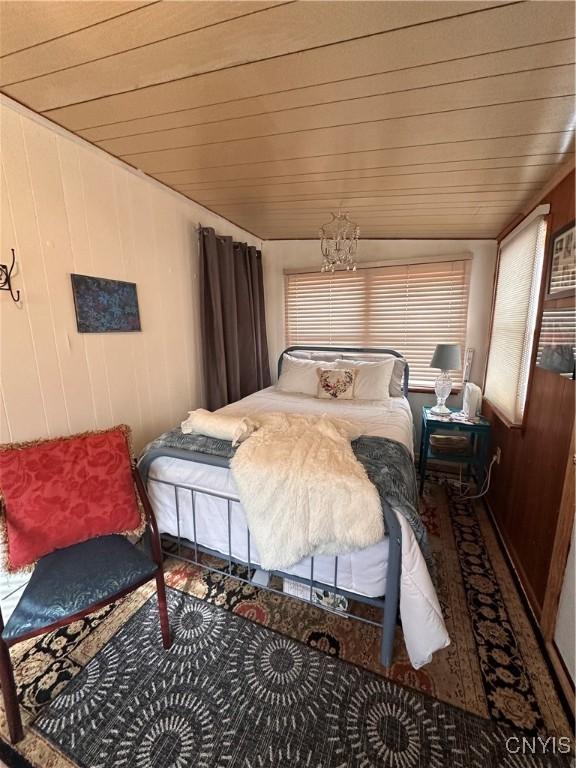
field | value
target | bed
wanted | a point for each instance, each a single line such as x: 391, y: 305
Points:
x: 196, y: 503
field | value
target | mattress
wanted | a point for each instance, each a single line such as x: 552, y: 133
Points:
x: 362, y: 572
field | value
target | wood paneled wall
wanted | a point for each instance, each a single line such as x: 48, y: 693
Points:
x: 527, y: 485
x: 424, y: 119
x: 68, y: 207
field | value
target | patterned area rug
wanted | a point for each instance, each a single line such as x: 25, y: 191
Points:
x: 229, y: 692
x: 493, y: 668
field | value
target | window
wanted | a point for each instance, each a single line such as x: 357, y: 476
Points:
x: 514, y: 317
x: 410, y: 308
x: 557, y: 342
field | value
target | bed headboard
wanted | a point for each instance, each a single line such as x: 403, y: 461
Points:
x: 362, y: 350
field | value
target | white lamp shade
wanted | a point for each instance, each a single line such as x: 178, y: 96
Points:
x: 447, y: 357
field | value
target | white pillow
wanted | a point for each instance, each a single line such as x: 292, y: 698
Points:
x: 397, y: 380
x: 336, y: 384
x: 372, y: 379
x: 318, y: 355
x: 300, y: 375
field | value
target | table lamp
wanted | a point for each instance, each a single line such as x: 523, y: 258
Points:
x: 447, y: 357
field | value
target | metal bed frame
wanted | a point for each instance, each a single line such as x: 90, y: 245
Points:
x: 262, y: 579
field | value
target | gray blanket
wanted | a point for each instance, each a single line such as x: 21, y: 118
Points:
x: 388, y: 465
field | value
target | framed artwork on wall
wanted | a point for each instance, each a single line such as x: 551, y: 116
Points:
x: 105, y: 306
x: 562, y: 273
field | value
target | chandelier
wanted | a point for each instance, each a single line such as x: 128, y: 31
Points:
x: 339, y: 241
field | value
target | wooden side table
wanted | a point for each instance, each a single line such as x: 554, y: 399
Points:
x: 475, y: 459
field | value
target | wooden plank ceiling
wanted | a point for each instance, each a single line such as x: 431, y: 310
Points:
x: 423, y: 119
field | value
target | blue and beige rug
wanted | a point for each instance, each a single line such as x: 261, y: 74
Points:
x: 232, y: 692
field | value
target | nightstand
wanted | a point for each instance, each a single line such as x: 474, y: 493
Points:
x: 475, y: 458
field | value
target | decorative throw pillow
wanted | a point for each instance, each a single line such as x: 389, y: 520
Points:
x: 372, y: 379
x: 60, y: 492
x: 300, y: 375
x: 336, y: 384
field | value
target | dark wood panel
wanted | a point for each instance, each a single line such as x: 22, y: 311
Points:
x: 561, y: 200
x: 501, y: 485
x: 526, y: 488
x: 561, y: 547
x: 541, y: 462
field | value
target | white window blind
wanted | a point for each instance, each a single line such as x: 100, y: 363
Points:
x: 514, y: 319
x: 410, y: 308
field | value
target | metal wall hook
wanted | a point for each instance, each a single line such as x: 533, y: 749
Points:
x: 6, y: 278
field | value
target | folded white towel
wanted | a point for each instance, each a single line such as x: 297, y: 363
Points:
x: 232, y: 428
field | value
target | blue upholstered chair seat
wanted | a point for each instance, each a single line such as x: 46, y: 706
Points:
x: 72, y: 579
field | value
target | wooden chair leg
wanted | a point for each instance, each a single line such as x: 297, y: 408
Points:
x: 163, y: 609
x: 11, y: 707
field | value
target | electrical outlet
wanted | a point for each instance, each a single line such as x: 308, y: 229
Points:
x: 498, y: 455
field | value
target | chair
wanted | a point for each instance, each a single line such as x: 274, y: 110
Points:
x: 67, y: 507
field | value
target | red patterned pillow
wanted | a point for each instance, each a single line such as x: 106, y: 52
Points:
x: 63, y: 491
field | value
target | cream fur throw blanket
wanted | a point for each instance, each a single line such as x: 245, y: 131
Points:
x: 304, y: 491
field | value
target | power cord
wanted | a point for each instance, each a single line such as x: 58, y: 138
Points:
x: 485, y: 485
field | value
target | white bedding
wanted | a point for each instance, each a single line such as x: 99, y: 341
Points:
x: 382, y: 418
x: 363, y: 572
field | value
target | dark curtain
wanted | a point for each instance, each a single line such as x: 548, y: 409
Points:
x: 233, y: 319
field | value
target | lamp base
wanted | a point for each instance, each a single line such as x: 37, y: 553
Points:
x: 440, y: 410
x: 442, y: 387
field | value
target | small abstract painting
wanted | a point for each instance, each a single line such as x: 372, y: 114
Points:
x: 103, y: 305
